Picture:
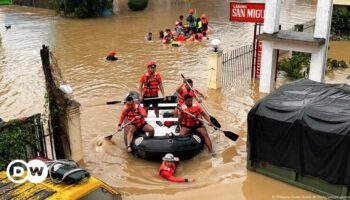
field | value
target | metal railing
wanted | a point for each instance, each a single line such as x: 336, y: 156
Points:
x: 237, y: 65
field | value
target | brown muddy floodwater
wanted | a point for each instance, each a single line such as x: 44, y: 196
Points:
x: 81, y: 45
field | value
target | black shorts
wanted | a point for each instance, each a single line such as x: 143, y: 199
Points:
x: 194, y: 128
x: 139, y: 129
x: 153, y: 102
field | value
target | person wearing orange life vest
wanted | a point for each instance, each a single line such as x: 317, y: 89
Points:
x: 182, y: 90
x: 204, y: 23
x: 150, y: 83
x: 168, y: 167
x: 193, y: 124
x: 137, y: 113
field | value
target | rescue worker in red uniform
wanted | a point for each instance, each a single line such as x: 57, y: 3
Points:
x: 168, y: 167
x: 193, y: 124
x: 150, y: 83
x: 182, y: 90
x: 137, y: 113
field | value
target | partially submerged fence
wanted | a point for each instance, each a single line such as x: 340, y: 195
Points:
x: 237, y: 65
x: 64, y: 118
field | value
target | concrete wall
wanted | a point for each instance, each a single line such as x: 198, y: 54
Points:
x: 33, y: 3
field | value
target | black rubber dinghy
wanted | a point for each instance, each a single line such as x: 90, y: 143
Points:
x: 165, y: 139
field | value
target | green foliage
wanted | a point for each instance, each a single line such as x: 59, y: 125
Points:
x: 296, y: 66
x: 336, y: 64
x: 137, y: 5
x: 340, y: 23
x: 81, y: 8
x: 15, y: 137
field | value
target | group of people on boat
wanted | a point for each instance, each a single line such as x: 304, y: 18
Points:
x: 196, y: 29
x: 188, y: 111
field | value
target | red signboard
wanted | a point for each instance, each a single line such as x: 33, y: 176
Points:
x: 258, y: 59
x: 247, y: 12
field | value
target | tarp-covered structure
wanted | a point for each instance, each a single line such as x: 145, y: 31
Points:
x: 305, y: 126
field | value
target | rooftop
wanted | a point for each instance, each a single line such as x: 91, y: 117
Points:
x: 296, y: 37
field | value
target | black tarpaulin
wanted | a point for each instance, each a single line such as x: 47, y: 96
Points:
x: 304, y: 125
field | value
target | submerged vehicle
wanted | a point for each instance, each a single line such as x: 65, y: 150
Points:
x: 78, y: 185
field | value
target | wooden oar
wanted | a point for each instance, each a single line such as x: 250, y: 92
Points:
x: 231, y: 135
x: 212, y: 119
x: 109, y: 137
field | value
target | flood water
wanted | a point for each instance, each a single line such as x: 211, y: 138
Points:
x: 81, y: 45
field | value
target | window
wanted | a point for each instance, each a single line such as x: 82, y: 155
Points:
x: 101, y: 194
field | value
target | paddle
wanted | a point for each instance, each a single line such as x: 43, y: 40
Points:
x: 109, y: 137
x: 114, y: 102
x: 152, y: 98
x: 145, y: 99
x: 212, y: 119
x: 231, y: 135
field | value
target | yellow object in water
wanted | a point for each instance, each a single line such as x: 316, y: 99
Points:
x: 175, y: 43
x: 92, y: 189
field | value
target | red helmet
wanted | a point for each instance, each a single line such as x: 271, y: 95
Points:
x: 151, y: 63
x: 111, y: 53
x: 191, y: 11
x: 203, y: 16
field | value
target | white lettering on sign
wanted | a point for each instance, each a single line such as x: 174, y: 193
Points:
x: 247, y: 12
x: 238, y: 12
x: 255, y: 13
x: 251, y: 13
x: 240, y: 6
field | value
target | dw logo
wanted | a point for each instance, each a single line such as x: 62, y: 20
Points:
x: 35, y: 171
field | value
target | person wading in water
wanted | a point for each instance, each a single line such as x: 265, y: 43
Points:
x: 168, y: 167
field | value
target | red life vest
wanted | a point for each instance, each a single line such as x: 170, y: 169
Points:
x: 188, y: 120
x: 184, y: 91
x: 164, y: 167
x: 131, y: 113
x: 150, y: 88
x: 181, y: 38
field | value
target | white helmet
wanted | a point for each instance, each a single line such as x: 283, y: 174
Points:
x: 170, y: 157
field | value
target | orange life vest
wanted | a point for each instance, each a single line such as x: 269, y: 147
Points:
x: 131, y: 113
x: 184, y: 91
x: 205, y: 24
x: 204, y: 21
x: 150, y: 88
x: 164, y: 167
x: 188, y: 120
